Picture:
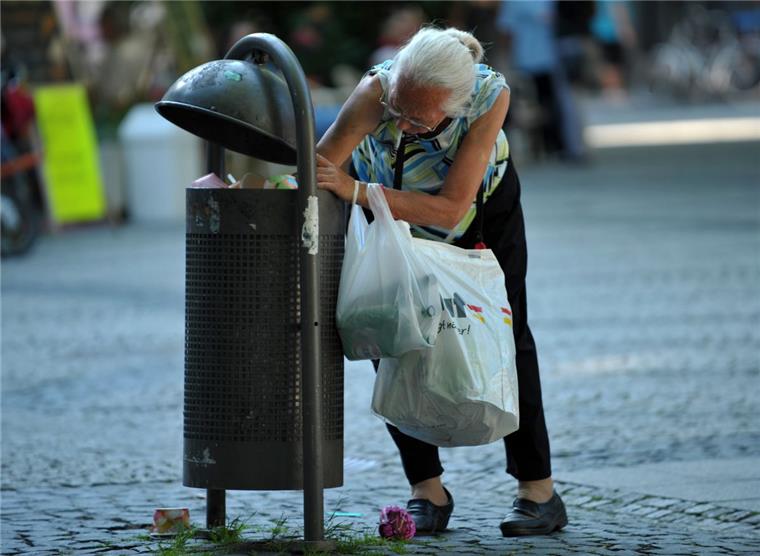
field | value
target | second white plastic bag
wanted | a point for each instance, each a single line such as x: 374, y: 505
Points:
x: 388, y: 302
x: 463, y: 391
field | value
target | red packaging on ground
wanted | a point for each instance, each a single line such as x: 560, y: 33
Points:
x: 169, y: 520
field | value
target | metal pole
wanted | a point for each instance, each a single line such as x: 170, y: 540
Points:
x: 311, y: 383
x: 216, y: 511
x: 215, y: 159
x: 216, y: 500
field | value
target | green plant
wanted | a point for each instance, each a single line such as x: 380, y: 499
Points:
x: 366, y: 540
x: 178, y: 545
x: 229, y: 534
x: 281, y: 538
x: 222, y: 537
x: 280, y: 530
x: 370, y: 543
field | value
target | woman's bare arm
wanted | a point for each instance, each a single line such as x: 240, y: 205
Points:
x: 359, y: 116
x: 459, y: 189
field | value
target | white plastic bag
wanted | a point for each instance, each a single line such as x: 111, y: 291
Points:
x: 463, y: 391
x: 388, y: 302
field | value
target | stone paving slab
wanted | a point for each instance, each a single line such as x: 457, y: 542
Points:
x: 601, y: 521
x: 722, y: 481
x: 645, y: 303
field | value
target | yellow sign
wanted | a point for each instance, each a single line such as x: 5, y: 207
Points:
x: 70, y: 154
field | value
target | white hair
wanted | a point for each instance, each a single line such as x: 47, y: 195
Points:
x: 443, y: 58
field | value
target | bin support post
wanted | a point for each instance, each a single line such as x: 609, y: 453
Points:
x: 311, y: 383
x: 312, y: 394
x: 313, y: 472
x: 215, y: 508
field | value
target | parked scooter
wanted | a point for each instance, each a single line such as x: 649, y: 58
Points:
x: 21, y: 207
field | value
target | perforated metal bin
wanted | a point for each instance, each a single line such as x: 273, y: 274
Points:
x: 242, y: 410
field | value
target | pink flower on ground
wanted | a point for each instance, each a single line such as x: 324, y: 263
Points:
x: 396, y: 523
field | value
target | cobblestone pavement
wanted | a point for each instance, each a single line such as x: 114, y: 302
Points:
x: 644, y: 289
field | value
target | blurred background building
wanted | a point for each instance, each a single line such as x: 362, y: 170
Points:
x: 563, y: 60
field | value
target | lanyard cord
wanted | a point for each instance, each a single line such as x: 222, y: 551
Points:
x: 398, y: 165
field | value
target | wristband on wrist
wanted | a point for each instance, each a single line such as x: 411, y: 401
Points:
x: 356, y: 189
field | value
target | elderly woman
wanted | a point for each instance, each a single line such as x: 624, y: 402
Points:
x: 427, y: 125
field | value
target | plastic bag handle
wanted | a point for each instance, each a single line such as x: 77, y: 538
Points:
x: 378, y: 204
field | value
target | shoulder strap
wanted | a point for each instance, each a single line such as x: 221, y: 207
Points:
x: 398, y: 165
x: 479, y: 241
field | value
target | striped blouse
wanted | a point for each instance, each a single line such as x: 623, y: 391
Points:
x: 427, y: 160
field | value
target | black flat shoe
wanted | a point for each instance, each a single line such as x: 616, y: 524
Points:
x: 531, y: 518
x: 429, y: 518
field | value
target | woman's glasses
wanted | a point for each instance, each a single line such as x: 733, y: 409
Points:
x: 396, y: 115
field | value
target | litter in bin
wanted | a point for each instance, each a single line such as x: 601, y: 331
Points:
x: 285, y: 181
x: 209, y: 181
x: 254, y: 181
x: 249, y: 181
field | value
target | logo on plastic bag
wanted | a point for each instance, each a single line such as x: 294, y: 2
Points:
x: 456, y: 307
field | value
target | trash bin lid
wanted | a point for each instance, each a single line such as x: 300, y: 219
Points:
x: 243, y: 106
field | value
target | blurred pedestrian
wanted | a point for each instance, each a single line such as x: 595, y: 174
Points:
x: 529, y: 34
x: 574, y: 39
x: 616, y: 37
x: 428, y: 125
x: 478, y: 16
x: 400, y: 26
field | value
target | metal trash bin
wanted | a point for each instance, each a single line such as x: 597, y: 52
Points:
x: 247, y: 386
x: 243, y: 424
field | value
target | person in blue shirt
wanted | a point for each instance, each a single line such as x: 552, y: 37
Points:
x: 615, y: 35
x: 529, y: 32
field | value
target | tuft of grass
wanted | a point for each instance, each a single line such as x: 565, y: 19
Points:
x: 281, y: 536
x: 223, y: 537
x: 280, y: 529
x: 349, y: 540
x: 370, y: 543
x: 232, y: 533
x: 178, y: 544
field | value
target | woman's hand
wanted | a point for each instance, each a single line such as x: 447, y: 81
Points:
x: 332, y: 178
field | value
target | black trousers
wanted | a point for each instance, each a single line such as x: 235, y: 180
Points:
x: 527, y: 449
